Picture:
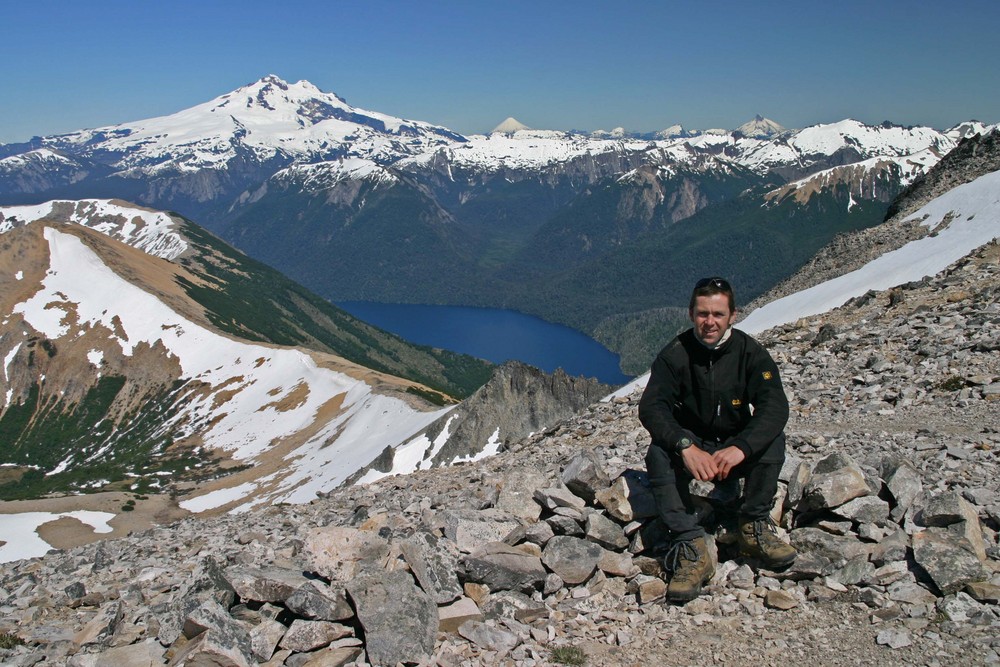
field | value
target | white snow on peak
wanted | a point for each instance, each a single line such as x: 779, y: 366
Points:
x: 672, y: 132
x: 908, y: 168
x: 268, y: 118
x: 525, y: 149
x: 318, y: 176
x: 509, y: 126
x: 153, y: 232
x: 802, y: 146
x: 868, y: 139
x: 968, y: 129
x: 974, y: 213
x: 760, y: 127
x: 46, y: 156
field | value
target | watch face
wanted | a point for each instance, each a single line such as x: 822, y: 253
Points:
x: 684, y: 443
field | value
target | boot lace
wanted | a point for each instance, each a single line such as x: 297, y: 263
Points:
x: 678, y: 553
x: 764, y: 531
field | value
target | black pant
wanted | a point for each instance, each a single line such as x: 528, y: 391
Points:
x: 668, y: 479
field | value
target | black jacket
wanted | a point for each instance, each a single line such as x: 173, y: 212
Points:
x: 709, y: 393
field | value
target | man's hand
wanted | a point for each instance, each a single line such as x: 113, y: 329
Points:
x: 700, y: 463
x: 727, y: 459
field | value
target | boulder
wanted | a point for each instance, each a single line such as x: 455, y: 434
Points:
x: 835, y: 480
x: 628, y: 498
x: 584, y: 475
x: 572, y: 558
x: 434, y: 563
x: 502, y: 567
x: 315, y: 600
x: 400, y: 621
x: 340, y: 553
x: 516, y: 494
x: 948, y: 559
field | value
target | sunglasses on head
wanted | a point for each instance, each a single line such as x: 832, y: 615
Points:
x: 718, y: 283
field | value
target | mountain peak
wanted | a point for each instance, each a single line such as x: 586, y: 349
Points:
x: 510, y: 126
x: 760, y: 128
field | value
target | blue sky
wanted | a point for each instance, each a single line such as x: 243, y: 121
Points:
x: 468, y: 65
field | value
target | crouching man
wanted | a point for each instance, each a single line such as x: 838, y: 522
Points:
x: 715, y: 409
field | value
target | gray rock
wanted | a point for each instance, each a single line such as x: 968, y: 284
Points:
x: 629, y: 497
x: 573, y: 559
x: 340, y: 553
x: 866, y: 509
x: 502, y: 567
x: 471, y: 529
x: 894, y: 637
x: 303, y: 635
x: 905, y: 485
x: 962, y: 608
x: 434, y: 563
x: 832, y: 547
x: 264, y: 584
x: 554, y: 497
x: 400, y: 621
x: 539, y: 533
x: 516, y: 496
x: 147, y: 653
x: 948, y: 559
x: 798, y: 478
x: 264, y: 638
x: 103, y: 626
x: 216, y: 636
x: 857, y: 571
x: 892, y: 547
x: 835, y: 480
x: 605, y: 532
x: 584, y: 475
x: 451, y: 616
x: 951, y: 510
x: 487, y: 637
x: 315, y: 600
x: 910, y: 592
x: 616, y: 564
x: 945, y: 509
x: 565, y: 525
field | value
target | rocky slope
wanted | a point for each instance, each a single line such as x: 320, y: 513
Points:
x: 890, y: 492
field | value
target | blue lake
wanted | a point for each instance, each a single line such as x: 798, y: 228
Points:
x: 495, y: 335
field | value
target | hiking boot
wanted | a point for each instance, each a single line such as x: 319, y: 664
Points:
x: 757, y: 538
x: 691, y: 567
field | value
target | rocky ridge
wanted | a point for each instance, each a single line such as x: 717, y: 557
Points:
x: 890, y: 492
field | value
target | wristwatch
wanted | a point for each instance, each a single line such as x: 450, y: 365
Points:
x: 683, y: 444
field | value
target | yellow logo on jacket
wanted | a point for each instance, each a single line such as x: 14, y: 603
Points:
x: 737, y: 402
x: 767, y: 375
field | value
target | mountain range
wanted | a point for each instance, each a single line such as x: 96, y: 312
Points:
x: 600, y: 231
x: 143, y: 354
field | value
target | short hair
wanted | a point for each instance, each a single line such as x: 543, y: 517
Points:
x: 711, y: 287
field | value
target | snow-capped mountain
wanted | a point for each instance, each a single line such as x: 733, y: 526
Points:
x: 760, y: 128
x: 510, y: 125
x: 361, y: 205
x: 266, y: 120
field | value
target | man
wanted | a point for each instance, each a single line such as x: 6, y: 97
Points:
x: 716, y: 411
